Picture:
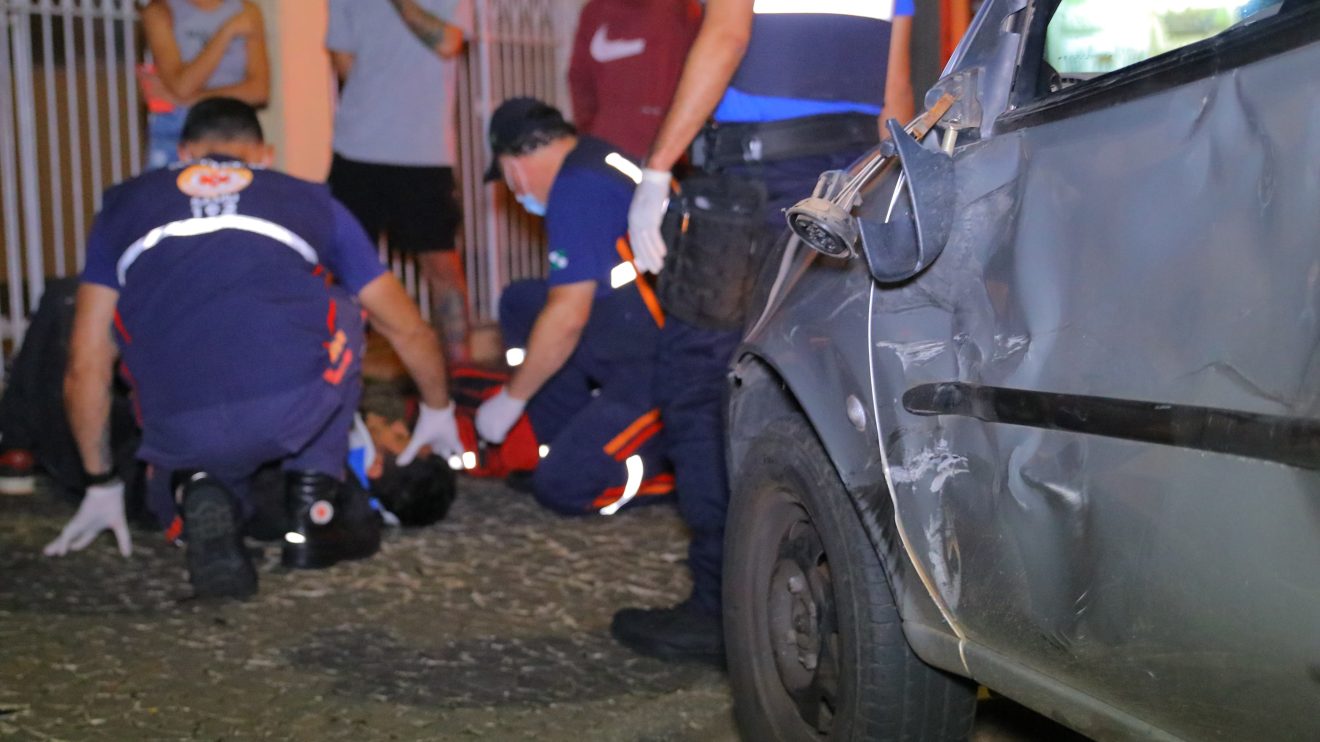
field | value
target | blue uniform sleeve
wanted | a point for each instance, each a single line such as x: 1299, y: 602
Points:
x: 584, y: 220
x: 904, y: 7
x: 103, y: 247
x: 350, y: 256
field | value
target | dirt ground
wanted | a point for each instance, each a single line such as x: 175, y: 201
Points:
x: 490, y: 625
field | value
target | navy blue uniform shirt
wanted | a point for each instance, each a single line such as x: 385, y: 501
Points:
x: 220, y: 269
x: 586, y: 215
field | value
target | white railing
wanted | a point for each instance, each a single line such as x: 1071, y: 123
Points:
x: 72, y: 123
x: 514, y: 52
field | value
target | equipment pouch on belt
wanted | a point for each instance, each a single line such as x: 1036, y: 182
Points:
x: 716, y: 236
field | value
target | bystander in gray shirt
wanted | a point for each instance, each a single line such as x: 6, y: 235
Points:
x: 397, y: 105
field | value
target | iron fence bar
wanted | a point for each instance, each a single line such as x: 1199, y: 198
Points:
x: 112, y: 90
x: 54, y: 155
x: 96, y: 166
x: 72, y: 110
x: 16, y: 321
x: 485, y: 107
x: 28, y: 174
x: 128, y: 14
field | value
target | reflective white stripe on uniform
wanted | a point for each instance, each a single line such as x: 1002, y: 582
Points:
x: 880, y: 10
x: 625, y: 166
x: 622, y: 275
x: 630, y: 488
x: 207, y: 225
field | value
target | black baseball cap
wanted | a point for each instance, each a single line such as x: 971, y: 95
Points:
x: 521, y: 125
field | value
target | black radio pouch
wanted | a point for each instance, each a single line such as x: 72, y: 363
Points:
x: 717, y: 241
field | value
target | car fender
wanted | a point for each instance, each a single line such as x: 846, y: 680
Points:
x: 795, y: 362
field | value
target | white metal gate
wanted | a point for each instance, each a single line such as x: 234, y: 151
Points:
x: 514, y: 52
x: 72, y: 123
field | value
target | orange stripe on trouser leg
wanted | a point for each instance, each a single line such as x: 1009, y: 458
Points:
x: 175, y: 530
x: 661, y: 484
x: 123, y: 331
x: 330, y: 316
x: 607, y: 498
x: 633, y: 429
x: 336, y: 375
x: 336, y: 346
x: 647, y: 434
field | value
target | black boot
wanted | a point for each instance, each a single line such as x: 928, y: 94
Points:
x: 329, y: 522
x: 218, y: 564
x: 684, y: 632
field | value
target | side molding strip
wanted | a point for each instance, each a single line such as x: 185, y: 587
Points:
x: 1293, y: 441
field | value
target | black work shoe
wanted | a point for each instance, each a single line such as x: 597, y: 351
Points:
x: 329, y: 522
x: 218, y: 564
x: 684, y: 632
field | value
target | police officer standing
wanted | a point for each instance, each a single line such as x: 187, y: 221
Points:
x: 584, y: 339
x: 790, y: 88
x: 236, y: 296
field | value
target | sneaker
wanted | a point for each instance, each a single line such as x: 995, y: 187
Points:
x: 219, y: 566
x: 684, y: 632
x: 17, y: 472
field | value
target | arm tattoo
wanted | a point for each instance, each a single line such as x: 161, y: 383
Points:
x: 427, y: 28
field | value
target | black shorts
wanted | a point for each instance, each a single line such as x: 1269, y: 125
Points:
x: 414, y: 207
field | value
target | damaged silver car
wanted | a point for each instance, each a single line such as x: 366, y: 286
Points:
x: 1034, y: 399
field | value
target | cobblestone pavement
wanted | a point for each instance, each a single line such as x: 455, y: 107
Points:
x: 490, y: 625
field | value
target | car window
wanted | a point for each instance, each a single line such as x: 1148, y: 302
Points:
x: 1087, y: 38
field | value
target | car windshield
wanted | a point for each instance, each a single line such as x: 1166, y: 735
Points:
x: 1090, y: 37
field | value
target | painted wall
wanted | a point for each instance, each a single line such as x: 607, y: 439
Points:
x: 300, y: 116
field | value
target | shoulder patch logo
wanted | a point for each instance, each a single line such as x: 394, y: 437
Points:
x: 558, y: 260
x: 211, y: 180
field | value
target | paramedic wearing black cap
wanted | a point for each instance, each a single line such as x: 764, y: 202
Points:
x: 213, y: 278
x: 584, y: 339
x: 773, y: 93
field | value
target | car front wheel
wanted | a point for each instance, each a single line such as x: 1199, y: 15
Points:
x: 815, y: 646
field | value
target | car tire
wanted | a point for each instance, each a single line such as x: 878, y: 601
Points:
x: 815, y: 644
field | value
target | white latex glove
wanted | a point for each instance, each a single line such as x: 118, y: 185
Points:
x: 496, y: 415
x: 644, y: 216
x: 102, y: 508
x: 434, y: 428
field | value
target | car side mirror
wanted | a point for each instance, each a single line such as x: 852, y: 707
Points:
x: 917, y: 221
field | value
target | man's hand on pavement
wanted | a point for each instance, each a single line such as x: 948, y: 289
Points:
x: 435, y: 428
x: 644, y: 216
x: 497, y: 415
x: 102, y: 509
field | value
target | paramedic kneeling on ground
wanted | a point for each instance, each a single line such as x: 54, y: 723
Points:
x: 585, y: 338
x: 214, y: 279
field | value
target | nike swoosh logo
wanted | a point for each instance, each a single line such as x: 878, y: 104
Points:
x: 604, y: 49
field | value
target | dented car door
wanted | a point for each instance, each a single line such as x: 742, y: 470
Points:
x: 1099, y: 407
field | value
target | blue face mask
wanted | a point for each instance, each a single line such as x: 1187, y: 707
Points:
x: 529, y: 202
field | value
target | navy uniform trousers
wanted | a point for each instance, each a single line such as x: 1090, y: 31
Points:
x: 598, y: 411
x: 305, y: 428
x: 692, y: 382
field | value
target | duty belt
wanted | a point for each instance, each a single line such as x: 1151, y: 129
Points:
x: 720, y: 145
